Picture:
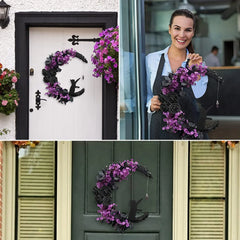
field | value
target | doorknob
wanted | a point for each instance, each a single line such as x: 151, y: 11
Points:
x: 38, y: 99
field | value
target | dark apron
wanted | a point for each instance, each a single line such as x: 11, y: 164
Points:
x: 188, y: 103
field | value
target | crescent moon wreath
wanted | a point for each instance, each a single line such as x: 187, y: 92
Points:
x: 52, y: 66
x: 107, y: 180
x: 172, y: 90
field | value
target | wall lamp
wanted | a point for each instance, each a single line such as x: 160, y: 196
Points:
x: 4, y: 18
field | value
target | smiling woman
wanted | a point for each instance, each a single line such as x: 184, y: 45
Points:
x: 160, y: 64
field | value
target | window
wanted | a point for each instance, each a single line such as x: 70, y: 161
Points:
x: 132, y: 71
x: 207, y: 191
x: 36, y: 192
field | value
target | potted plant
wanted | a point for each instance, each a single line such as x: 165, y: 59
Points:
x: 105, y: 57
x: 8, y: 94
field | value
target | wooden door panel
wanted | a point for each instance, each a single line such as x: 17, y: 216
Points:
x: 147, y: 154
x: 29, y: 20
x: 98, y: 154
x: 90, y: 157
x: 122, y: 151
x: 80, y: 119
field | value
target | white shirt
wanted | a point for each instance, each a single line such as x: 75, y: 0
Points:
x: 152, y: 62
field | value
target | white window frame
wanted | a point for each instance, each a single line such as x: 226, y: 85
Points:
x: 234, y: 194
x: 180, y: 190
x: 64, y: 189
x: 9, y: 188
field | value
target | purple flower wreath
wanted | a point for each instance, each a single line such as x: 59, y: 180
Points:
x: 52, y: 66
x: 106, y: 183
x: 105, y: 57
x: 172, y: 89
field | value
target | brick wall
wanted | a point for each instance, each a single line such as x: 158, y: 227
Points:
x: 1, y: 168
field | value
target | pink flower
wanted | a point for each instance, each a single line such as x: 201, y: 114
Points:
x: 14, y: 79
x: 16, y: 103
x: 4, y: 73
x: 4, y: 102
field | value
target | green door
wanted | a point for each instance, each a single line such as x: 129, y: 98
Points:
x: 90, y: 157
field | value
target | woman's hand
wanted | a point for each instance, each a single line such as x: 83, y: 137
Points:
x: 195, y: 59
x: 155, y: 104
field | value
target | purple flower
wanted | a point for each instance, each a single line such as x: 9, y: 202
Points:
x: 99, y: 184
x: 184, y: 77
x: 62, y: 57
x: 101, y: 42
x: 117, y: 170
x: 107, y: 214
x: 177, y: 123
x: 105, y: 56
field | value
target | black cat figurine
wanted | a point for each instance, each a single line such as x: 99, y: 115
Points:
x: 73, y: 87
x: 133, y: 211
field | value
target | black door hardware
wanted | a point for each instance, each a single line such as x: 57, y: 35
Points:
x: 31, y: 72
x: 39, y: 99
x: 75, y: 39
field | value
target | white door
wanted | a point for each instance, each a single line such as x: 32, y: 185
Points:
x: 80, y: 119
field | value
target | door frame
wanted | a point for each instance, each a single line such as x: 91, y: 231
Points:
x: 24, y: 20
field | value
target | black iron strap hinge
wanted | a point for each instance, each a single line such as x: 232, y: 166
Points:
x: 75, y: 39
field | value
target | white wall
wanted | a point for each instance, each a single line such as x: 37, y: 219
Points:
x: 7, y: 35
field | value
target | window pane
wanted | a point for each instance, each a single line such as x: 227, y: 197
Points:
x: 157, y: 16
x: 129, y: 99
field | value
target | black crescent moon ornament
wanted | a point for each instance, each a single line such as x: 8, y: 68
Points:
x: 52, y: 67
x: 107, y: 180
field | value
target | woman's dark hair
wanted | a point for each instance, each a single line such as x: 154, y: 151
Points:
x: 188, y: 14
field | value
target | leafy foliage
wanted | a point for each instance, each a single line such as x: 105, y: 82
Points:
x: 8, y: 94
